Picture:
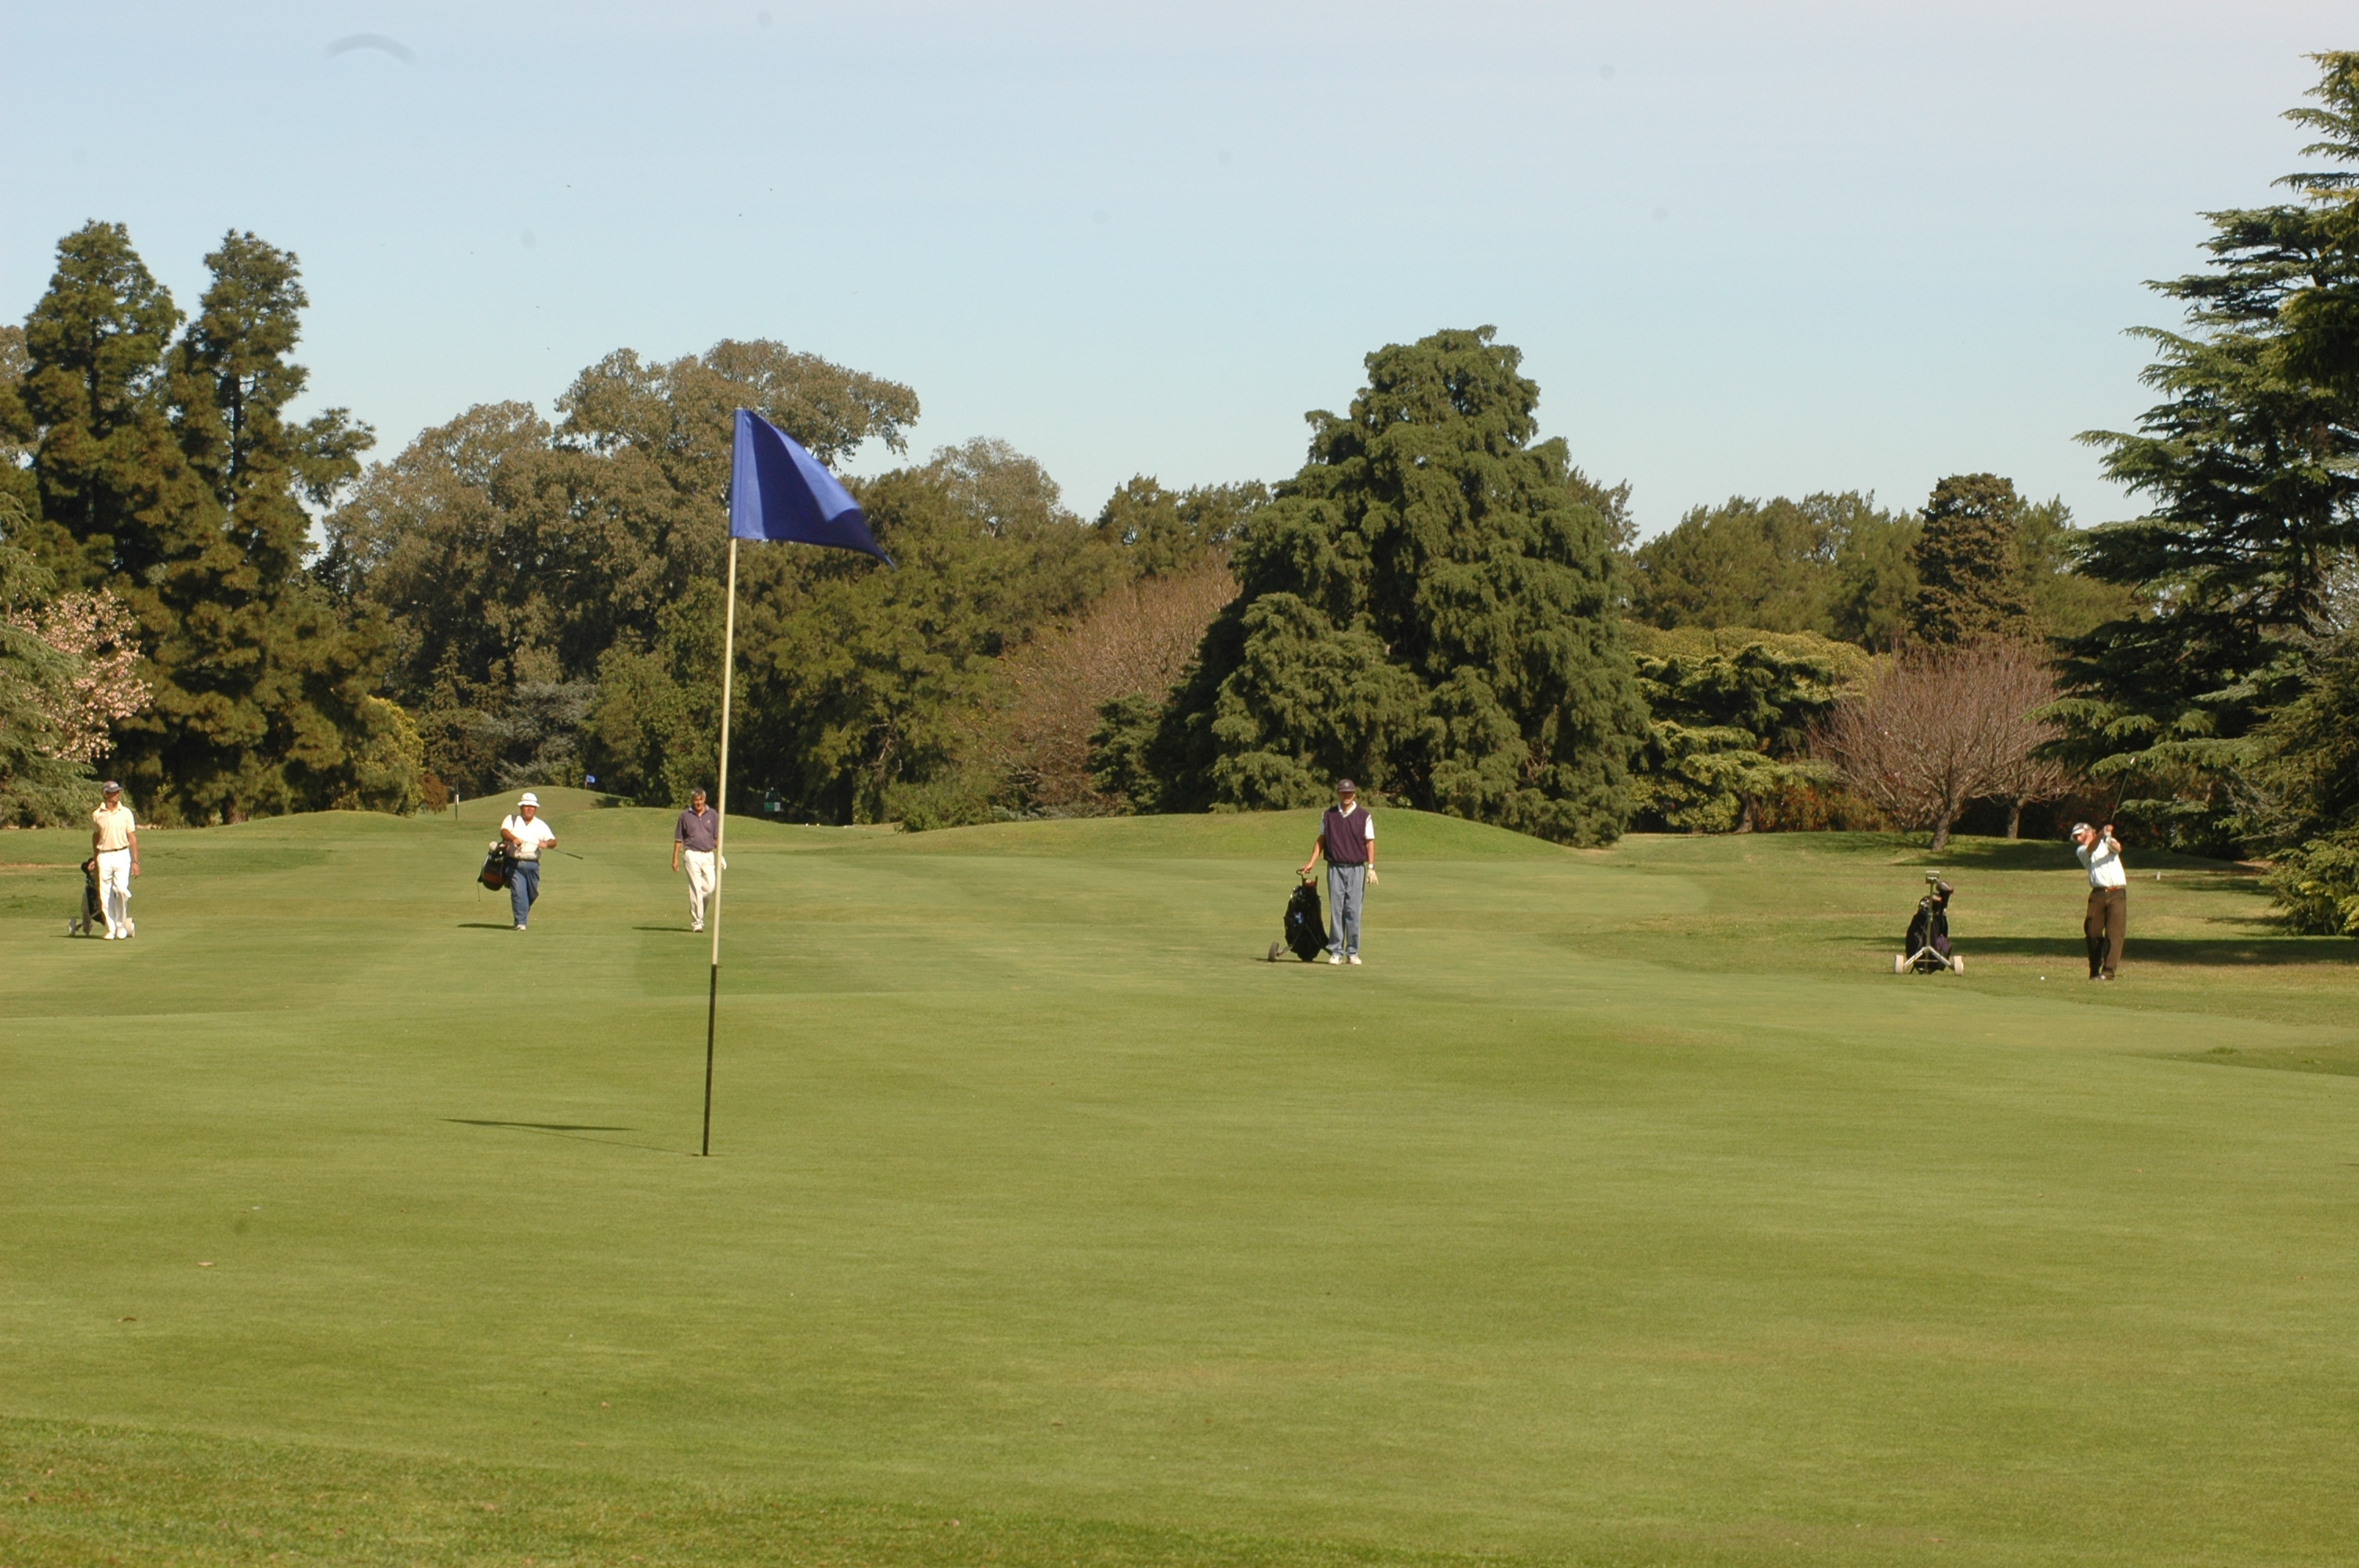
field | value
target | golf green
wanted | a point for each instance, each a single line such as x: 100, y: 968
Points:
x: 1622, y: 1208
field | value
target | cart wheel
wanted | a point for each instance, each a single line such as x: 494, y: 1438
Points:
x: 1957, y: 964
x: 1899, y: 963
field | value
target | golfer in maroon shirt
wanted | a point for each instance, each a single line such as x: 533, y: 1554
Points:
x: 1347, y: 837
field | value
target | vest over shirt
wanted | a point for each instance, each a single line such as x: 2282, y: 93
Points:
x: 1345, y: 837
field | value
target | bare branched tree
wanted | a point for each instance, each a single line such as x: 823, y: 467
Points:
x: 1937, y: 728
x: 1134, y: 641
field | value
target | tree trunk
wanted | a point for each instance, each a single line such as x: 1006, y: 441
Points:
x: 1745, y: 817
x: 1941, y: 831
x: 2015, y: 819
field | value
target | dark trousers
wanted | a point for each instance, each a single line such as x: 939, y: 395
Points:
x: 2107, y: 925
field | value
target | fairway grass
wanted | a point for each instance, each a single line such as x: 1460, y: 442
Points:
x: 1623, y: 1209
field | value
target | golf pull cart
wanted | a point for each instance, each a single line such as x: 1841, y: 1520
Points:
x: 1306, y: 927
x: 1926, y: 949
x: 86, y: 920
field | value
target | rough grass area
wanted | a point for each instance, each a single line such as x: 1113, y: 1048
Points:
x: 1625, y: 1208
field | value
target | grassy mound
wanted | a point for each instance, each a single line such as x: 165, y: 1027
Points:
x: 1624, y: 1208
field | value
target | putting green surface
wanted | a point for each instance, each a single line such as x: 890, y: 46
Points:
x: 1622, y: 1208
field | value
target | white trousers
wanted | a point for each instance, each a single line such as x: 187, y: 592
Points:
x: 114, y: 889
x: 698, y: 865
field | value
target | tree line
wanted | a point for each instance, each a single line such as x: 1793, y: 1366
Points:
x: 220, y: 601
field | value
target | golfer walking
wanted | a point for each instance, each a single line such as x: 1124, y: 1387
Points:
x: 115, y: 843
x: 693, y: 839
x: 526, y: 834
x: 1347, y: 837
x: 2109, y: 899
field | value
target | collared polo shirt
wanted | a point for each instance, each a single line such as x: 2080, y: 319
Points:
x: 114, y: 829
x: 695, y: 832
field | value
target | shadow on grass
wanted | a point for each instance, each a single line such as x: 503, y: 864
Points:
x: 2333, y: 1060
x: 577, y: 1130
x: 2275, y: 952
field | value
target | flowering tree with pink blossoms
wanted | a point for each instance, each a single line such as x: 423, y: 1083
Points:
x: 68, y: 675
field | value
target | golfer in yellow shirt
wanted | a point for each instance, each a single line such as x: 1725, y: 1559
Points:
x: 114, y: 840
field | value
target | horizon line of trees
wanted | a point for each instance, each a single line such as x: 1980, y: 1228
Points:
x: 1438, y: 601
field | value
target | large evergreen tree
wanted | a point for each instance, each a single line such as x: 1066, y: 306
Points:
x: 1429, y: 605
x: 261, y: 686
x: 107, y: 471
x: 2306, y: 797
x: 168, y: 472
x: 1969, y: 564
x: 2323, y: 319
x: 1731, y: 714
x: 2251, y: 463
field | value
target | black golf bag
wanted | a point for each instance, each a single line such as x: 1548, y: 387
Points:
x: 1306, y: 926
x: 1926, y: 949
x: 93, y: 914
x: 497, y: 864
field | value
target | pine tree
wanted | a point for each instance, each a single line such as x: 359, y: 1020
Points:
x: 105, y: 469
x: 1730, y: 718
x: 167, y: 470
x: 1969, y: 567
x: 2251, y: 463
x: 262, y: 689
x: 2323, y: 340
x: 1431, y: 606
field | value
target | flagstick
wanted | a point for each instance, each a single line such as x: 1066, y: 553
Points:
x: 719, y: 837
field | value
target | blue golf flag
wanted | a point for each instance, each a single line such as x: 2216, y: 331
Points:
x: 778, y: 491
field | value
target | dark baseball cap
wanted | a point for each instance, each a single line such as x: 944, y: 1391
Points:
x: 110, y: 787
x: 1345, y: 786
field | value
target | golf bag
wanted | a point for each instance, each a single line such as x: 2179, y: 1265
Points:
x: 1306, y: 926
x: 91, y: 915
x: 1926, y: 949
x: 497, y: 863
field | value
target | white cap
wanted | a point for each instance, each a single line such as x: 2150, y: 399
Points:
x: 529, y: 799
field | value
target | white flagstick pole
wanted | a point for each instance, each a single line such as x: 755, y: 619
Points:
x: 719, y: 836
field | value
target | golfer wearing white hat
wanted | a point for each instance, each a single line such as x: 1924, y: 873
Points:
x: 526, y: 834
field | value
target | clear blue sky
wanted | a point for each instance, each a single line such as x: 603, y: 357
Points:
x: 1746, y: 249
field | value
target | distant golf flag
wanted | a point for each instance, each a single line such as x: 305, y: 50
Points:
x: 777, y: 492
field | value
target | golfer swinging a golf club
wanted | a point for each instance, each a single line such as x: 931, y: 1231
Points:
x: 2109, y: 909
x: 526, y: 834
x: 1347, y: 837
